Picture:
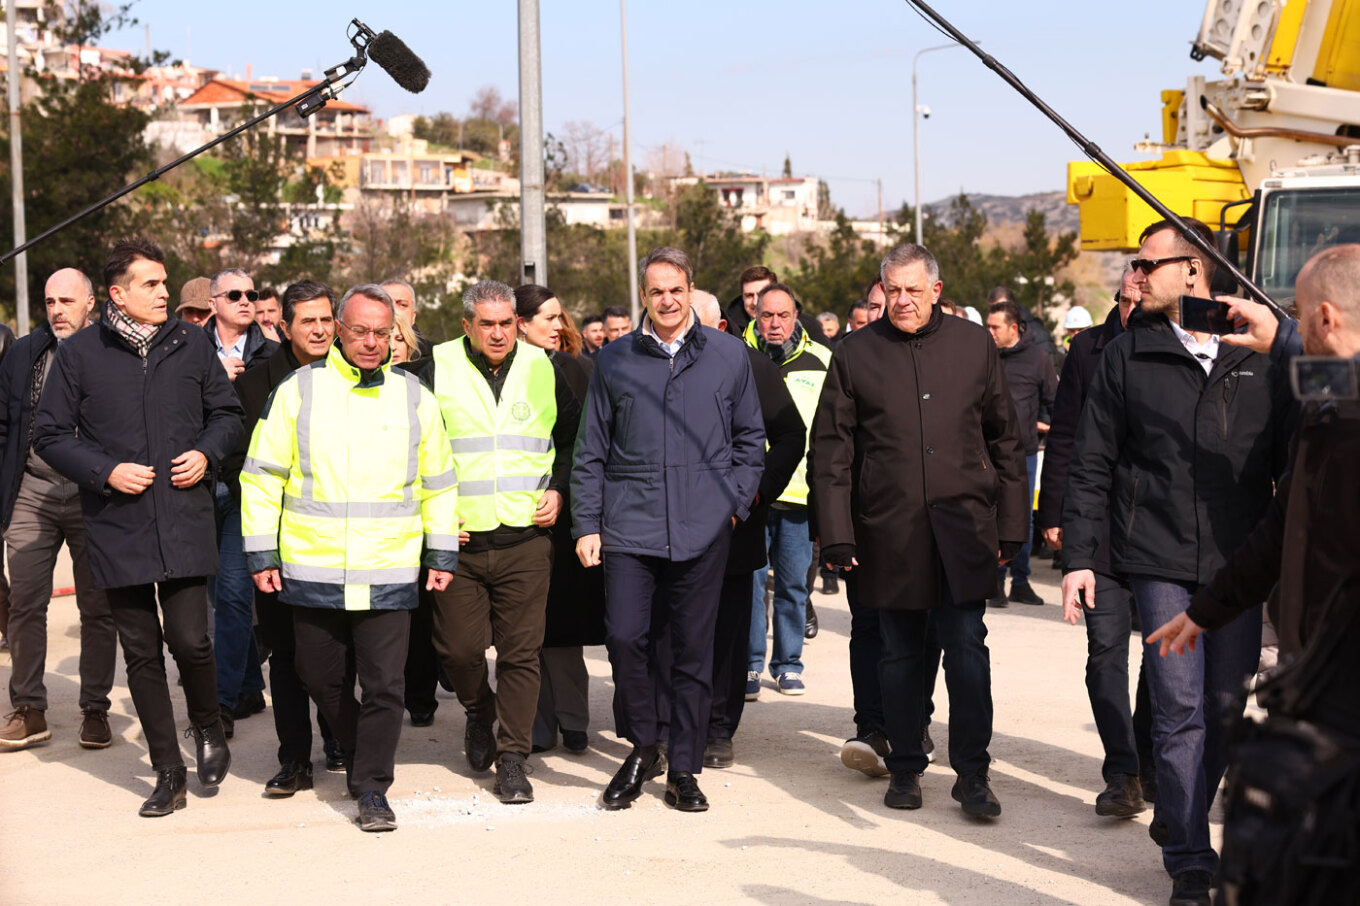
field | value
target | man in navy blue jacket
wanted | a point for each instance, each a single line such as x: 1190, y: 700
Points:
x: 668, y: 459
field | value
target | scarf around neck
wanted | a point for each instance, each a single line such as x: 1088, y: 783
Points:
x: 138, y: 336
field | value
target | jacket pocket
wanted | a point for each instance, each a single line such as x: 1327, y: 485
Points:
x: 724, y: 418
x: 1133, y: 505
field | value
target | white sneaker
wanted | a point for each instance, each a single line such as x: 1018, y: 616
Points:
x: 752, y: 685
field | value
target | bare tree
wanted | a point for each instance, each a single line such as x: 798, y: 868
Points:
x: 487, y: 104
x: 587, y: 147
x: 667, y: 159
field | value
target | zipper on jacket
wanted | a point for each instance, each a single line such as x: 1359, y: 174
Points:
x: 1133, y: 507
x: 1224, y: 409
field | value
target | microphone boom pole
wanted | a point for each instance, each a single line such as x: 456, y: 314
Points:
x: 1093, y: 151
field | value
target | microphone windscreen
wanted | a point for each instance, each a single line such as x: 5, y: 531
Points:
x: 392, y: 54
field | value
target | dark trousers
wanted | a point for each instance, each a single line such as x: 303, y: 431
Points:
x: 731, y: 641
x: 422, y: 662
x: 292, y: 708
x: 376, y: 639
x: 45, y: 516
x: 648, y: 599
x: 238, y: 658
x: 563, y: 693
x: 497, y: 597
x: 906, y: 668
x: 1107, y: 680
x: 866, y: 651
x: 184, y: 606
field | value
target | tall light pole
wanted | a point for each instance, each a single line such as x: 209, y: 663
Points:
x: 16, y: 169
x: 916, y: 134
x: 628, y: 172
x: 532, y: 225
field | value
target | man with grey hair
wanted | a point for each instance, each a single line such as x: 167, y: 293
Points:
x: 511, y: 418
x: 404, y: 298
x: 339, y: 523
x: 668, y: 461
x: 919, y: 477
x: 240, y: 341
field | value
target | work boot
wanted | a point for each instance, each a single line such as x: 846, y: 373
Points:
x: 1121, y: 798
x: 1023, y: 593
x: 24, y: 727
x: 214, y: 758
x: 94, y: 729
x: 168, y: 796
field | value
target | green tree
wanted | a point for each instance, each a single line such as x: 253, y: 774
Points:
x: 788, y: 166
x: 1038, y: 262
x: 831, y: 276
x: 968, y: 269
x: 712, y: 237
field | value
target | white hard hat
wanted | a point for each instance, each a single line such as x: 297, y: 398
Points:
x: 973, y: 314
x: 1078, y: 318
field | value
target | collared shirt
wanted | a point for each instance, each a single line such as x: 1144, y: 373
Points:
x: 1205, y: 353
x: 672, y: 347
x: 494, y: 376
x: 236, y: 350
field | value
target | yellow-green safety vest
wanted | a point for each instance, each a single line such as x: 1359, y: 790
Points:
x: 503, y: 450
x: 805, y: 386
x: 344, y: 484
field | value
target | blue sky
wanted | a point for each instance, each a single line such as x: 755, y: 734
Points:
x: 739, y: 84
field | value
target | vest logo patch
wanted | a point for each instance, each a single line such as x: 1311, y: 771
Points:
x: 520, y: 412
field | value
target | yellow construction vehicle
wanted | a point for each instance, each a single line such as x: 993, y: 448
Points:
x: 1270, y: 155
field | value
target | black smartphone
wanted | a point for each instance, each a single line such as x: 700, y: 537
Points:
x: 1323, y: 378
x: 1205, y: 315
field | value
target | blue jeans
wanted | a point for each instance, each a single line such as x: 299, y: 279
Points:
x: 1193, y: 695
x: 1019, y: 567
x: 238, y: 660
x: 786, y: 534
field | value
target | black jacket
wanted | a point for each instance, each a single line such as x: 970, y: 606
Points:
x: 6, y: 340
x: 1079, y: 370
x: 1029, y: 372
x: 258, y: 347
x: 737, y: 319
x: 103, y: 405
x: 785, y: 436
x: 1184, y: 464
x: 253, y: 387
x: 16, y: 384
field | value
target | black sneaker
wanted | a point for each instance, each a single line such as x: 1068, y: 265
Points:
x: 998, y: 600
x: 865, y: 752
x: 479, y: 743
x: 904, y: 790
x: 928, y: 745
x: 1121, y: 798
x: 575, y: 741
x: 1023, y: 593
x: 250, y: 703
x: 975, y: 794
x: 831, y: 584
x: 1159, y: 832
x: 336, y: 760
x: 375, y: 814
x: 512, y: 785
x: 1191, y: 888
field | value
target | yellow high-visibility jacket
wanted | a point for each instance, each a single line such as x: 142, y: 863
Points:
x: 804, y: 374
x: 345, y: 482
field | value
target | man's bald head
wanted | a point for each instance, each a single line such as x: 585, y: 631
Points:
x: 1328, y: 300
x: 69, y: 297
x: 707, y: 307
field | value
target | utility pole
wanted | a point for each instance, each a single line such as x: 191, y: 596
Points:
x: 880, y: 212
x: 16, y: 167
x: 917, y: 237
x: 532, y: 226
x: 628, y: 173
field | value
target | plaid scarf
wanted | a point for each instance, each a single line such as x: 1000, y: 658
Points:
x: 138, y: 336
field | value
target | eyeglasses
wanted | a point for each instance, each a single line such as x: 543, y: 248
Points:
x: 382, y: 333
x: 236, y: 294
x: 1148, y: 265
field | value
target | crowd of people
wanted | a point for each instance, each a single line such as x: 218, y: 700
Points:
x: 300, y: 479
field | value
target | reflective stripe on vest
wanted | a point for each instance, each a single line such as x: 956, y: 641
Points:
x: 503, y: 451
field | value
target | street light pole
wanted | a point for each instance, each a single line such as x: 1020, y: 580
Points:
x: 16, y: 167
x: 916, y: 134
x: 533, y: 229
x: 628, y: 172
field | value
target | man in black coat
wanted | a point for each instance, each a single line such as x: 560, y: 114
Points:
x: 138, y: 412
x: 1032, y: 381
x: 919, y: 480
x: 308, y: 325
x: 1181, y: 442
x: 1126, y: 737
x: 40, y: 510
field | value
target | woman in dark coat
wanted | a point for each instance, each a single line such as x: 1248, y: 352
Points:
x: 575, y: 615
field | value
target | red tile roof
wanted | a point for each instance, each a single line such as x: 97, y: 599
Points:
x: 229, y: 91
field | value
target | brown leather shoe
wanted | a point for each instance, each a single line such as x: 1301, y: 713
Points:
x: 94, y: 729
x: 24, y: 727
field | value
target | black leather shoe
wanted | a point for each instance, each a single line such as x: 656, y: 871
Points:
x: 1191, y: 888
x: 421, y: 718
x: 640, y: 766
x: 718, y: 754
x: 479, y: 743
x: 512, y: 786
x: 975, y: 794
x: 810, y: 625
x: 228, y: 722
x: 1159, y: 833
x: 904, y: 790
x: 375, y: 814
x: 168, y: 796
x: 1024, y: 593
x: 214, y: 758
x: 336, y: 760
x: 999, y: 600
x: 248, y: 704
x: 831, y: 585
x: 575, y: 741
x: 1121, y: 798
x: 292, y: 776
x: 683, y: 793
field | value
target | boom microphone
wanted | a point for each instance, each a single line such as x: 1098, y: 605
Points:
x: 405, y: 68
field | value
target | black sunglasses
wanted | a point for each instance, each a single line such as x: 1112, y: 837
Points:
x: 1148, y: 265
x: 236, y: 294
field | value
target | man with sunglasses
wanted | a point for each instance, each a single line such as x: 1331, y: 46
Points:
x: 241, y: 344
x: 1181, y: 442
